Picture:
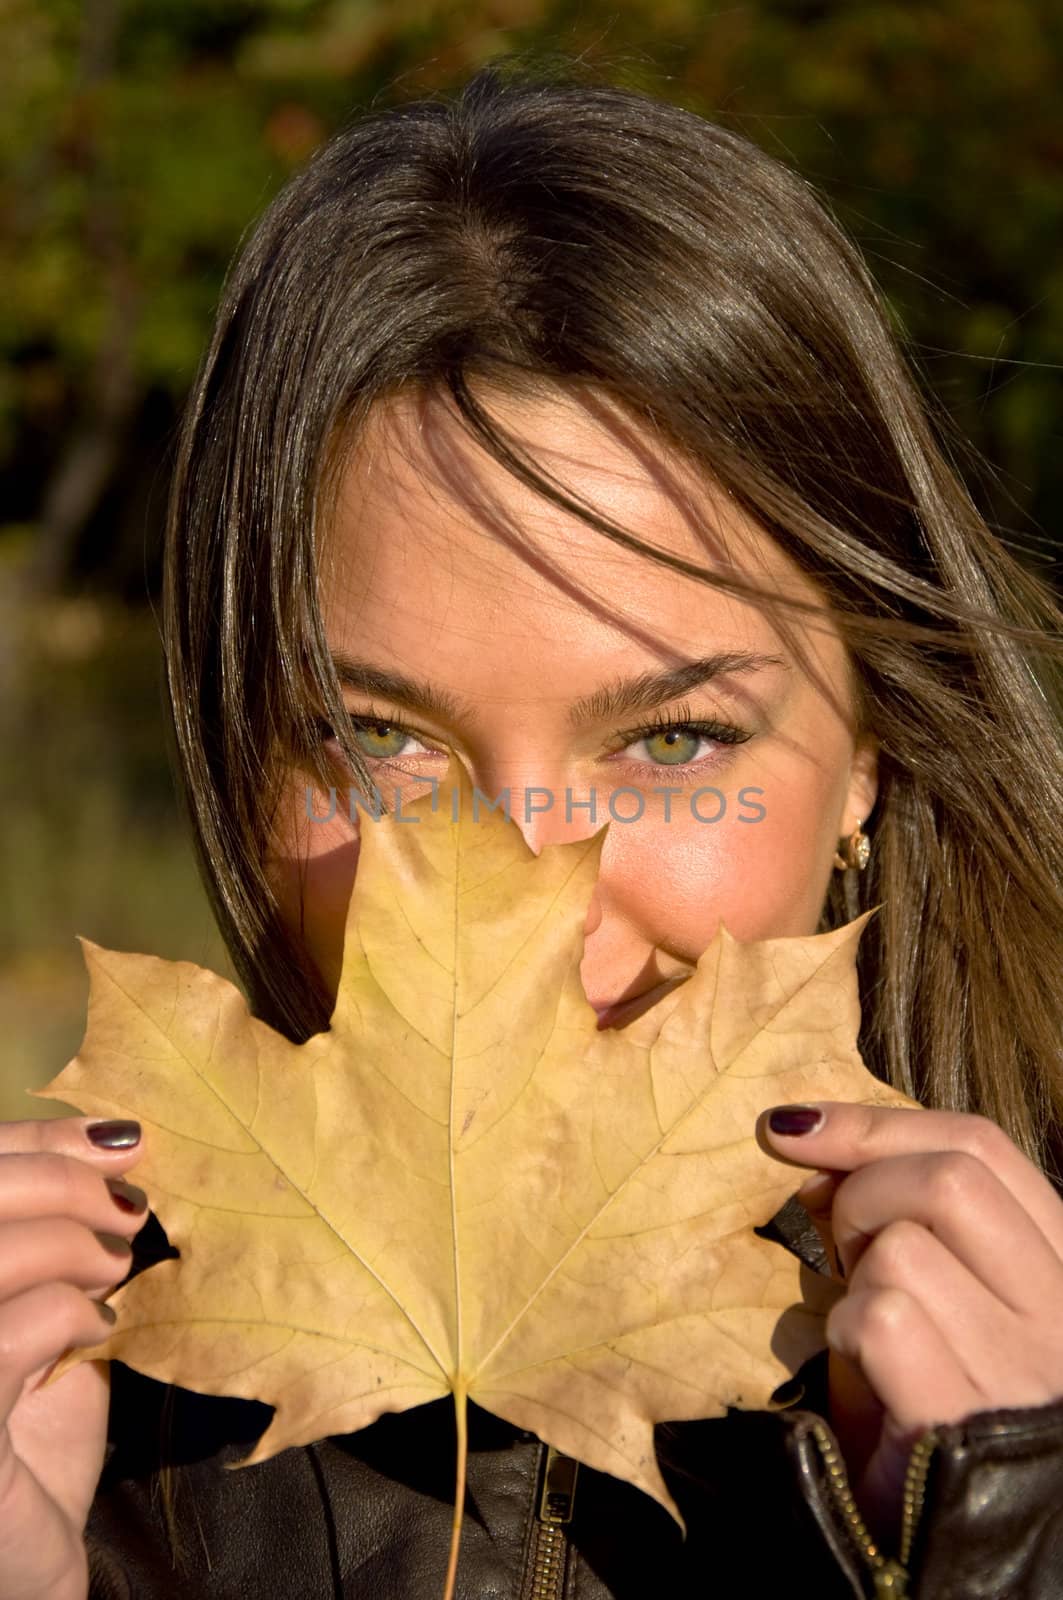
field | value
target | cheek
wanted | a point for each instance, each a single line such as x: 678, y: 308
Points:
x: 312, y: 866
x: 670, y: 883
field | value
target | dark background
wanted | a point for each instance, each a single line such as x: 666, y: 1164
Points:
x: 137, y: 143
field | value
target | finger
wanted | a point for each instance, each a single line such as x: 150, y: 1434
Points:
x: 1009, y: 1362
x: 51, y: 1185
x: 38, y: 1326
x: 964, y: 1205
x: 817, y: 1193
x: 903, y: 1356
x: 976, y: 1327
x: 58, y: 1250
x: 847, y: 1136
x: 113, y: 1145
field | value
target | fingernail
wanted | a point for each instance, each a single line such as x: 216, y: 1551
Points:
x: 792, y: 1121
x: 126, y: 1196
x: 108, y: 1313
x: 113, y: 1135
x: 115, y: 1245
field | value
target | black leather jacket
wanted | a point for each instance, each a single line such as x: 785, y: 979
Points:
x: 367, y: 1516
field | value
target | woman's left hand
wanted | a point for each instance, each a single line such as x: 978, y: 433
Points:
x: 950, y: 1243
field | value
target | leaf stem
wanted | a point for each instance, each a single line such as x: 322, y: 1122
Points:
x: 461, y: 1419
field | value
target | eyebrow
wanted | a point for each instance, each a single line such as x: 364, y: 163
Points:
x: 417, y: 693
x: 643, y: 692
x: 647, y: 690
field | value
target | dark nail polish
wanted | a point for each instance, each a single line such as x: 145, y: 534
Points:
x: 108, y: 1313
x: 126, y: 1197
x: 791, y: 1121
x: 113, y: 1135
x: 114, y: 1245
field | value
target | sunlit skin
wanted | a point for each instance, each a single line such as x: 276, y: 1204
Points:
x: 442, y: 568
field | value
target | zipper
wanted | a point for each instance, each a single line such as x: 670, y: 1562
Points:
x: 548, y: 1556
x: 889, y: 1574
x: 915, y: 1489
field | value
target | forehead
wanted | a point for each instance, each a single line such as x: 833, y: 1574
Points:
x: 435, y: 546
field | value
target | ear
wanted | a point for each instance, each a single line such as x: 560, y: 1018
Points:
x: 863, y: 783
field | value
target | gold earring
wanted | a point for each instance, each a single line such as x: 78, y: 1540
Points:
x: 855, y: 851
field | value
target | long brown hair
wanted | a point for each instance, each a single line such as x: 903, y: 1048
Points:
x: 543, y: 227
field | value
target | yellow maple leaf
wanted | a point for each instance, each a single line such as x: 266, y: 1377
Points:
x: 463, y: 1185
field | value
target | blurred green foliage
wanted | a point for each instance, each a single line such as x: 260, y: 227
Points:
x: 91, y: 843
x: 139, y: 139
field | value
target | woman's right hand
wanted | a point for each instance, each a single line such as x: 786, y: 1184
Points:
x: 64, y: 1244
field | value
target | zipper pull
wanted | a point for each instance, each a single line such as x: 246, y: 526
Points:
x: 548, y: 1560
x: 558, y: 1493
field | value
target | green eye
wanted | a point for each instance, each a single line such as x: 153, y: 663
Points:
x: 672, y: 746
x: 380, y: 739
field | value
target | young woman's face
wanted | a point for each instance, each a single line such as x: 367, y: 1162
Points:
x: 475, y: 622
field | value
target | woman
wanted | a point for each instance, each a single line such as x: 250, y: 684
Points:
x: 559, y: 433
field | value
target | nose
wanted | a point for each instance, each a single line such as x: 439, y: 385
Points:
x: 546, y: 814
x: 546, y: 818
